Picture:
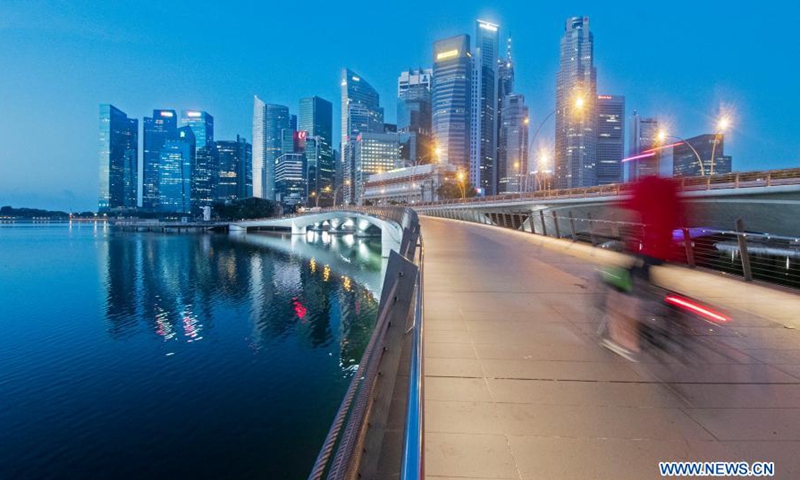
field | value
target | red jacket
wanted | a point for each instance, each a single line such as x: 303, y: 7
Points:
x: 656, y: 201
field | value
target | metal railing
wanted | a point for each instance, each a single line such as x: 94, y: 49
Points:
x: 356, y: 437
x: 751, y: 256
x: 736, y: 180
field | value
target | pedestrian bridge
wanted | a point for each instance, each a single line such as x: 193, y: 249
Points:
x: 334, y: 221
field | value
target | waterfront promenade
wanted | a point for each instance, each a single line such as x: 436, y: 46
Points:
x: 516, y: 386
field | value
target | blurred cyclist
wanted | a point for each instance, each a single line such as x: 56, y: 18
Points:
x: 655, y: 201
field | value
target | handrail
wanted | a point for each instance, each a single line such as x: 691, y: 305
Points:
x: 413, y: 461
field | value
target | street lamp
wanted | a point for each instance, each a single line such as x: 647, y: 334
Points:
x: 461, y: 177
x: 662, y: 136
x: 336, y: 192
x: 722, y: 125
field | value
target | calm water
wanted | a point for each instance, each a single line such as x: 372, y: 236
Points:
x: 176, y: 356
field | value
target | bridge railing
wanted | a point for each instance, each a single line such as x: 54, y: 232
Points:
x: 766, y: 178
x: 356, y: 440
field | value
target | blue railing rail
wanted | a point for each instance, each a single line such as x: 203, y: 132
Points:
x: 354, y: 441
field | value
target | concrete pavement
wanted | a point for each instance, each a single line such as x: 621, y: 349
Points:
x: 517, y: 387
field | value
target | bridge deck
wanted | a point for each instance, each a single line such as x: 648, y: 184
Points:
x: 517, y: 388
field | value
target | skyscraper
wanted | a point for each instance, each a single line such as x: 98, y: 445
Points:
x: 361, y: 113
x: 452, y: 99
x: 119, y: 159
x: 202, y: 125
x: 643, y: 136
x: 158, y: 129
x: 176, y: 163
x: 576, y: 117
x: 235, y: 169
x: 290, y: 182
x: 707, y: 146
x: 259, y: 147
x: 483, y: 143
x: 372, y: 153
x: 414, y: 113
x: 316, y: 119
x: 610, y: 138
x: 205, y: 177
x: 276, y: 120
x: 512, y: 158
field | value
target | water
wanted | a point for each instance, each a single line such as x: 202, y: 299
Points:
x: 176, y: 356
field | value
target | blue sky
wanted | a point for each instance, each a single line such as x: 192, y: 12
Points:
x: 682, y: 61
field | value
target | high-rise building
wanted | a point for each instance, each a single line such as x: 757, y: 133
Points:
x: 512, y: 158
x: 483, y: 143
x: 707, y: 146
x: 205, y: 177
x: 259, y: 147
x: 119, y: 160
x: 176, y: 163
x: 202, y: 125
x: 576, y: 116
x: 452, y: 99
x: 235, y: 169
x: 158, y: 129
x: 610, y: 138
x: 290, y: 183
x: 372, y: 153
x: 414, y: 114
x: 361, y: 113
x: 276, y: 120
x: 643, y: 136
x: 316, y: 119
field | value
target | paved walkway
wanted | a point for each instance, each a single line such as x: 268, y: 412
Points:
x: 517, y: 388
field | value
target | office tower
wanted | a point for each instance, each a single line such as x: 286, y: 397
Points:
x: 316, y: 118
x: 414, y: 114
x: 643, y: 136
x: 361, y: 113
x: 235, y: 169
x: 290, y: 184
x: 205, y: 177
x: 293, y: 122
x: 119, y: 160
x: 707, y: 146
x: 452, y: 100
x: 276, y: 120
x: 259, y: 147
x: 610, y: 138
x: 372, y: 153
x: 512, y: 159
x: 483, y: 143
x: 176, y: 162
x: 202, y: 125
x: 576, y: 117
x: 505, y: 74
x: 157, y: 130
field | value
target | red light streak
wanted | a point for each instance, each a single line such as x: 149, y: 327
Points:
x: 701, y: 310
x: 650, y: 152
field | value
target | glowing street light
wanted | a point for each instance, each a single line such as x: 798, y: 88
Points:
x: 722, y: 125
x: 579, y: 102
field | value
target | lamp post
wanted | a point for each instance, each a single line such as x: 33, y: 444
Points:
x: 461, y: 177
x: 336, y: 192
x: 722, y: 125
x: 663, y: 135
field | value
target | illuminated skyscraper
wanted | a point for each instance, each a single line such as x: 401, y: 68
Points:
x: 119, y: 160
x: 576, y: 115
x: 316, y: 119
x: 235, y: 169
x: 610, y: 138
x: 202, y: 125
x: 259, y: 147
x: 361, y: 113
x: 483, y: 142
x: 414, y: 113
x: 512, y: 160
x: 643, y: 136
x: 176, y: 163
x: 452, y: 100
x: 158, y: 129
x: 372, y: 153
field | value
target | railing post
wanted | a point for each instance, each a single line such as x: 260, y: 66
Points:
x: 591, y: 228
x: 687, y: 242
x: 555, y: 224
x: 708, y: 182
x: 533, y: 224
x: 572, y: 226
x: 769, y: 179
x: 544, y: 225
x: 740, y: 235
x: 737, y: 180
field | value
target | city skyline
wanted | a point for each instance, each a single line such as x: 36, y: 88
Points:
x: 738, y: 77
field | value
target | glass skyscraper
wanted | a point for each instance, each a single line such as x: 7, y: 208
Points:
x: 686, y: 164
x: 259, y: 147
x: 512, y: 159
x: 373, y: 153
x: 414, y: 114
x: 176, y: 163
x: 119, y: 160
x: 361, y: 113
x: 316, y: 119
x: 452, y: 99
x: 158, y: 129
x: 643, y: 136
x: 610, y: 138
x: 483, y: 142
x: 202, y: 125
x: 235, y: 169
x: 290, y: 183
x: 576, y: 115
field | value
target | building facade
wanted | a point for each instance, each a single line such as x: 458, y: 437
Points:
x: 259, y: 147
x: 176, y: 163
x: 202, y: 125
x: 408, y: 185
x: 685, y: 161
x: 205, y: 177
x: 235, y: 159
x: 119, y: 160
x: 158, y: 129
x: 642, y: 137
x: 610, y: 138
x: 483, y: 118
x: 290, y: 183
x: 452, y: 100
x: 414, y: 114
x: 361, y: 113
x: 373, y: 153
x: 512, y: 159
x: 316, y: 119
x: 576, y: 117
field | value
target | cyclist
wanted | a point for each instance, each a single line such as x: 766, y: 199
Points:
x: 656, y: 202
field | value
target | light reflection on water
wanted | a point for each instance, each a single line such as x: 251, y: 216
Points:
x: 176, y: 356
